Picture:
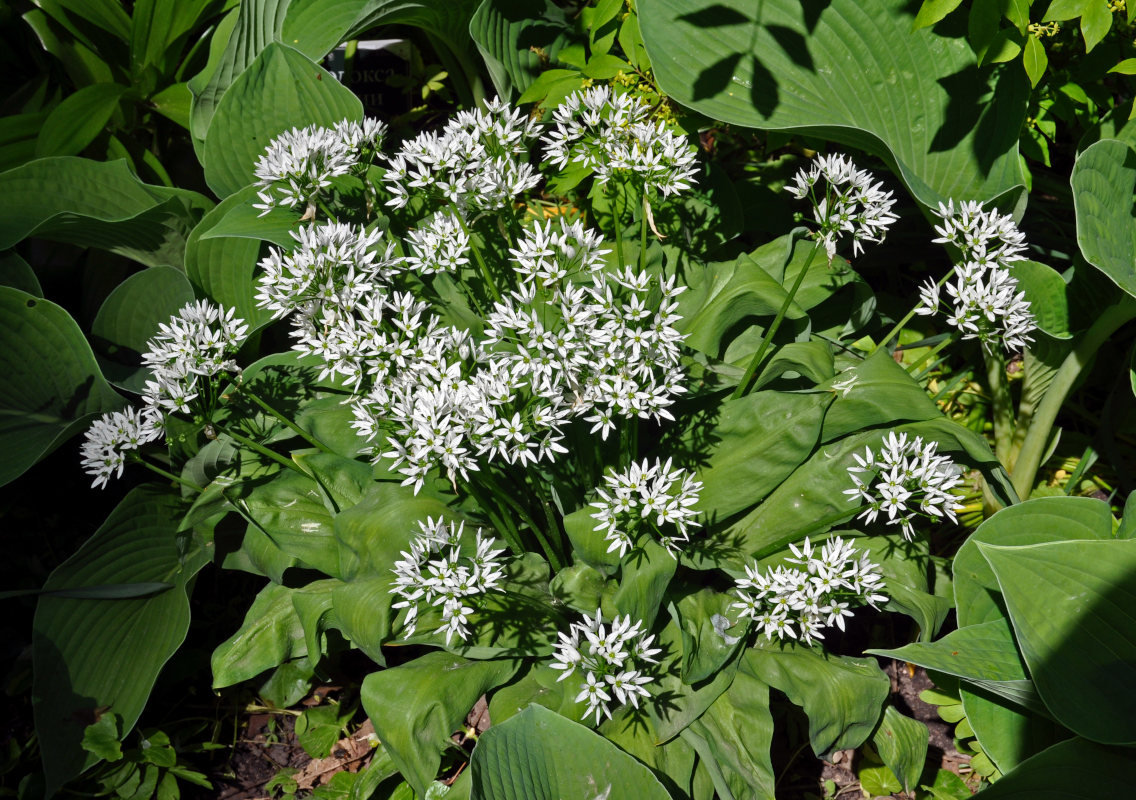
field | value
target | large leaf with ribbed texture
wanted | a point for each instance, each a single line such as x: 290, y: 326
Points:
x: 852, y: 71
x: 103, y: 656
x: 1103, y: 180
x: 50, y: 384
x: 97, y: 204
x: 512, y: 34
x: 281, y: 89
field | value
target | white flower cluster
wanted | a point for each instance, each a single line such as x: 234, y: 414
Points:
x: 912, y: 479
x: 799, y: 602
x: 439, y: 245
x: 112, y: 435
x: 850, y: 204
x: 442, y: 569
x: 647, y: 498
x: 477, y: 162
x: 612, y: 660
x: 609, y: 132
x: 198, y: 342
x: 548, y: 253
x: 300, y: 163
x: 986, y: 303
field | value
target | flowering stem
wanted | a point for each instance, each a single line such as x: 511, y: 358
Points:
x: 930, y: 354
x: 759, y: 356
x: 259, y: 448
x: 169, y: 475
x: 1003, y: 407
x: 545, y: 543
x: 894, y: 332
x: 643, y: 233
x: 504, y: 527
x: 1036, y: 437
x: 314, y: 442
x: 477, y: 254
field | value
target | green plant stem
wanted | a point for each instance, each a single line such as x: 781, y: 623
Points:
x: 930, y: 354
x: 759, y: 356
x: 1003, y: 407
x: 303, y: 434
x: 550, y: 552
x: 477, y: 254
x: 259, y: 448
x: 618, y: 241
x: 169, y: 475
x: 1036, y: 438
x: 349, y: 51
x: 907, y: 318
x: 643, y: 234
x: 508, y: 531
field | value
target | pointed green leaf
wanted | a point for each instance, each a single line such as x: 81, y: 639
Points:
x: 1034, y: 59
x: 1008, y: 733
x: 270, y: 635
x: 1103, y: 181
x: 18, y: 274
x: 933, y: 11
x: 1072, y: 770
x: 902, y: 743
x: 74, y: 123
x: 1095, y: 22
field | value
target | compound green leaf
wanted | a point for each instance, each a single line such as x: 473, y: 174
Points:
x: 852, y: 71
x: 1073, y: 606
x: 1103, y: 181
x: 91, y: 655
x: 50, y: 384
x: 281, y: 89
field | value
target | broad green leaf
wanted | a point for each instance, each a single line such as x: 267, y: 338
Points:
x: 74, y: 123
x: 540, y: 755
x: 18, y: 133
x: 854, y: 72
x: 934, y: 10
x: 1073, y: 606
x: 270, y: 635
x: 363, y: 612
x: 290, y: 509
x: 1044, y: 519
x: 984, y: 652
x: 159, y: 28
x: 1103, y: 180
x: 707, y: 642
x: 875, y: 392
x: 107, y: 15
x: 902, y: 744
x: 1046, y: 292
x: 18, y: 274
x: 281, y: 89
x: 842, y: 696
x: 50, y: 384
x: 92, y: 654
x: 1125, y: 66
x: 812, y: 360
x: 510, y: 34
x: 1008, y: 734
x: 733, y: 737
x: 94, y: 204
x: 130, y: 317
x: 758, y: 442
x: 373, y: 533
x: 173, y: 103
x: 1034, y: 59
x: 1062, y: 10
x: 635, y: 734
x: 243, y: 221
x: 223, y: 269
x: 1072, y: 770
x: 680, y: 700
x: 540, y: 685
x: 320, y: 727
x: 1095, y: 22
x: 416, y: 706
x: 904, y: 566
x: 646, y: 572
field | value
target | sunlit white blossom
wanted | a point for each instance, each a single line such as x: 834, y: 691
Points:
x: 846, y: 201
x: 112, y: 436
x: 647, y: 497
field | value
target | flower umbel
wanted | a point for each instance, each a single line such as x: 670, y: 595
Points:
x: 798, y: 602
x: 850, y: 203
x: 912, y: 480
x: 112, y: 435
x: 645, y: 497
x: 612, y: 658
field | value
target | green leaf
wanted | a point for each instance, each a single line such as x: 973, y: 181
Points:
x: 976, y: 652
x: 291, y: 511
x: 270, y: 635
x: 706, y: 644
x: 1008, y: 734
x: 604, y: 67
x: 1072, y: 770
x: 319, y: 728
x: 507, y: 32
x: 875, y: 392
x: 416, y: 706
x: 1062, y: 10
x: 1095, y: 22
x: 854, y: 72
x: 90, y: 654
x: 94, y: 204
x: 173, y: 103
x: 540, y: 755
x: 1018, y: 13
x: 281, y: 89
x: 102, y: 739
x: 374, y: 532
x: 1103, y: 180
x: 130, y: 317
x: 18, y: 274
x: 842, y: 696
x: 1073, y: 606
x: 647, y: 571
x: 902, y: 744
x: 933, y: 11
x: 1046, y: 292
x: 243, y: 221
x: 547, y: 82
x: 74, y: 123
x: 1126, y: 66
x: 1034, y: 59
x: 50, y: 384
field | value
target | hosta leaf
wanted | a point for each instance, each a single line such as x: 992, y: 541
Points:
x: 1008, y: 734
x: 842, y: 696
x: 1073, y: 606
x: 281, y: 89
x: 511, y: 35
x: 130, y: 317
x: 18, y: 274
x: 1103, y: 181
x: 95, y: 655
x: 852, y: 71
x: 540, y: 755
x: 50, y: 384
x: 1046, y: 292
x: 1072, y: 770
x: 417, y: 706
x: 94, y: 204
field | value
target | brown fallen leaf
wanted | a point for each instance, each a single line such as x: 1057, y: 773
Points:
x: 348, y: 755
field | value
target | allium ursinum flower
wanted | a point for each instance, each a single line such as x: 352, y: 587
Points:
x: 611, y: 133
x: 439, y: 245
x: 647, y: 499
x: 985, y: 302
x: 112, y: 435
x: 551, y: 252
x: 198, y: 342
x: 329, y: 272
x: 798, y: 602
x: 300, y: 163
x: 612, y: 659
x: 911, y: 480
x: 845, y: 200
x: 444, y: 568
x: 478, y: 162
